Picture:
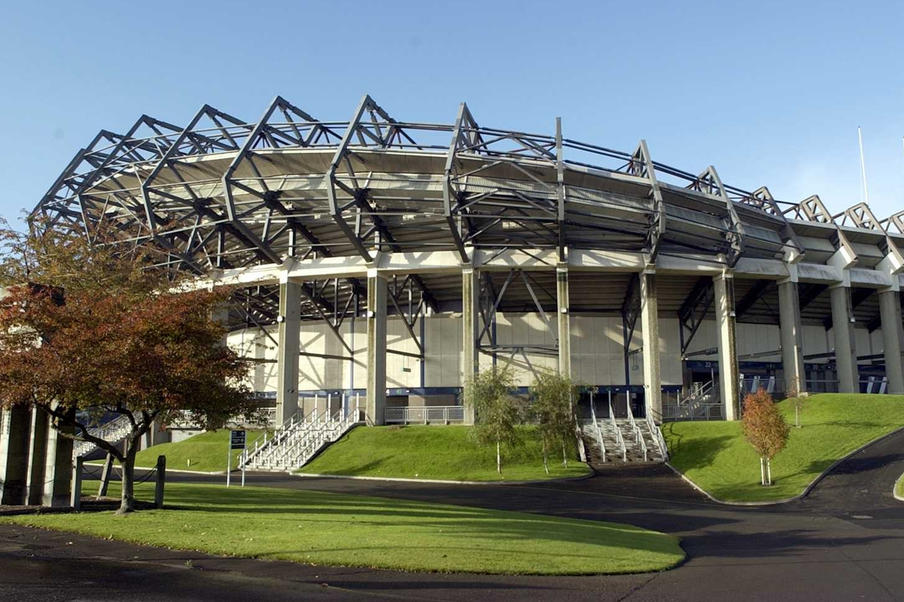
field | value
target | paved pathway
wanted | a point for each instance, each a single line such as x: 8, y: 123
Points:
x: 845, y: 541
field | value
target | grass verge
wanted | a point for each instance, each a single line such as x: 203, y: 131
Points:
x: 899, y: 487
x: 716, y: 456
x: 345, y: 530
x: 437, y: 452
x: 203, y: 452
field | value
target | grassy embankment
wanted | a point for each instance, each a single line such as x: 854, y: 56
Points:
x: 437, y: 452
x: 205, y: 452
x: 716, y: 456
x: 346, y: 530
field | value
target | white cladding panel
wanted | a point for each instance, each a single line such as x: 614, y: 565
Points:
x: 443, y: 351
x: 862, y: 341
x: 816, y: 340
x: 596, y: 347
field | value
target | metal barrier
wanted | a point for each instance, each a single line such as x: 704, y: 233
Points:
x: 638, y: 436
x: 424, y: 415
x: 596, y: 428
x: 613, y: 423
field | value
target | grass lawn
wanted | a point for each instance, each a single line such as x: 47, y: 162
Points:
x: 716, y: 456
x: 437, y: 452
x: 899, y: 487
x: 205, y: 451
x: 345, y: 530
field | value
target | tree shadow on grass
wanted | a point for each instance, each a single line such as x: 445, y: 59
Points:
x: 696, y: 452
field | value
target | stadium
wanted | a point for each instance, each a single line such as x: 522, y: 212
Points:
x: 378, y: 264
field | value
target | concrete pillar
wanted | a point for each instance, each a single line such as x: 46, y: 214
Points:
x: 37, y: 456
x: 470, y: 296
x: 289, y: 347
x: 649, y: 323
x: 376, y: 346
x: 157, y: 434
x: 792, y: 337
x: 845, y: 349
x: 723, y: 288
x: 892, y: 339
x: 14, y: 432
x: 564, y: 321
x: 58, y: 467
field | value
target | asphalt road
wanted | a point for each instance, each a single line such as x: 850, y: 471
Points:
x: 844, y: 541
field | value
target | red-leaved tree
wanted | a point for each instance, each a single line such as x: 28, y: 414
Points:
x: 86, y: 329
x: 765, y: 429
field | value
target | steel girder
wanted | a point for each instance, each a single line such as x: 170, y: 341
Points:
x: 693, y: 311
x: 489, y: 304
x: 630, y: 313
x: 753, y: 295
x: 223, y: 193
x: 641, y: 165
x: 709, y: 183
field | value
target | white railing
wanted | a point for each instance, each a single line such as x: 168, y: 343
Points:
x: 656, y: 432
x: 638, y: 435
x: 298, y: 440
x: 111, y: 431
x: 613, y: 423
x: 424, y: 415
x: 694, y: 405
x: 596, y: 427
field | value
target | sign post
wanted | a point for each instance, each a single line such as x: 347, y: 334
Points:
x: 236, y: 441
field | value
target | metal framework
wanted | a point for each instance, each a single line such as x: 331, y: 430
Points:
x: 224, y: 193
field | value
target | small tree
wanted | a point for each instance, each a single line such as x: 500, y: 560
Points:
x: 553, y: 408
x: 797, y: 400
x: 765, y: 429
x: 88, y: 329
x: 496, y: 409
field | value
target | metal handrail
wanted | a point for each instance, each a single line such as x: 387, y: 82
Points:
x: 111, y: 431
x: 599, y: 432
x: 657, y: 436
x: 638, y: 436
x: 302, y: 438
x: 618, y: 436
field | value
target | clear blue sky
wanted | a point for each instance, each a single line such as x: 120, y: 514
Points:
x: 769, y: 93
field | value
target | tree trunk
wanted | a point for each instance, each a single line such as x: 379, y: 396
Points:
x: 545, y: 456
x: 498, y: 458
x: 564, y: 455
x: 769, y: 471
x: 762, y: 471
x: 127, y: 501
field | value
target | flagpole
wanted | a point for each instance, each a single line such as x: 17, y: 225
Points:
x: 865, y: 190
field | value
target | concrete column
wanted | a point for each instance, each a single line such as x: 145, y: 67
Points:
x: 289, y: 347
x: 792, y: 337
x: 156, y: 435
x: 845, y: 349
x: 892, y: 339
x: 58, y: 467
x: 37, y: 456
x: 564, y: 321
x: 470, y: 296
x: 723, y: 287
x: 649, y: 323
x: 14, y: 432
x: 376, y: 346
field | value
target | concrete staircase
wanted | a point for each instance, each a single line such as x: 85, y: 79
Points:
x: 113, y: 431
x: 624, y: 440
x: 297, y: 441
x: 701, y: 402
